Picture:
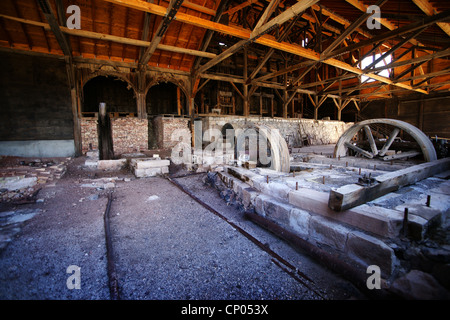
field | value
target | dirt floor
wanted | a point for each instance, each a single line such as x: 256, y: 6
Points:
x: 166, y: 245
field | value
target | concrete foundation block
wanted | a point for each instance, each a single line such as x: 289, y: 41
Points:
x: 367, y: 250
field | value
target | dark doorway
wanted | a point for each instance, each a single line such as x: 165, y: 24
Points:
x: 117, y: 94
x: 165, y: 98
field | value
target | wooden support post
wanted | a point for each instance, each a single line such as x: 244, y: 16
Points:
x: 179, y: 101
x: 245, y: 89
x: 352, y: 195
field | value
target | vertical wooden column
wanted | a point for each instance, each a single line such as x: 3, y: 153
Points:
x: 245, y: 89
x: 140, y: 96
x: 285, y: 94
x: 178, y: 101
x: 76, y: 107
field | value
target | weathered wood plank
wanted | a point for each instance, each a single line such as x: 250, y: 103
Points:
x: 352, y: 195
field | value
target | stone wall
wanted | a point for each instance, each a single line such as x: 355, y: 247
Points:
x: 169, y: 131
x: 318, y: 131
x: 128, y: 134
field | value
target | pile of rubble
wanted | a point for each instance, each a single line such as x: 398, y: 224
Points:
x: 18, y: 182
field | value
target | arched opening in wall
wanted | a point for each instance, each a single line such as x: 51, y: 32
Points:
x: 116, y: 93
x: 166, y: 98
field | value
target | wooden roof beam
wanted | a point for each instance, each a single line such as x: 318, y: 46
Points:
x: 107, y: 37
x: 54, y: 26
x: 265, y: 40
x: 172, y: 10
x: 260, y: 29
x: 362, y: 7
x: 429, y: 10
x: 350, y: 30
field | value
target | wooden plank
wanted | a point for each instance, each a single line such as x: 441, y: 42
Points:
x: 353, y: 195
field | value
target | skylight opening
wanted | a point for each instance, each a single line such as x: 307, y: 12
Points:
x: 369, y: 60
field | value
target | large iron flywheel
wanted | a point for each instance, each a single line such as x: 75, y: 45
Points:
x: 386, y: 139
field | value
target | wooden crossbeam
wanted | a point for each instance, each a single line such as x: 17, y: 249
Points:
x: 261, y: 28
x: 54, y: 26
x: 429, y: 10
x: 107, y: 37
x: 349, y: 30
x: 172, y: 9
x: 351, y: 195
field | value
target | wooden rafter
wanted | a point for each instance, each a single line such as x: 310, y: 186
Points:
x: 261, y: 28
x: 172, y: 9
x: 122, y: 40
x: 54, y: 26
x: 429, y: 10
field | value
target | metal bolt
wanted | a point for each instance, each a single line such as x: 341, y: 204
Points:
x: 405, y: 223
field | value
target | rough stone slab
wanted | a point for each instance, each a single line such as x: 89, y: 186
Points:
x: 17, y: 183
x: 111, y: 164
x: 299, y: 221
x: 368, y: 250
x: 277, y: 211
x: 378, y: 220
x: 276, y: 189
x: 146, y: 163
x: 328, y: 233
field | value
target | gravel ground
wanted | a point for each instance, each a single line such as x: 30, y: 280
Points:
x: 166, y: 246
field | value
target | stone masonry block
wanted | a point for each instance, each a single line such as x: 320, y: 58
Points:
x: 326, y: 232
x: 277, y: 211
x: 367, y: 250
x: 299, y: 221
x: 146, y: 163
